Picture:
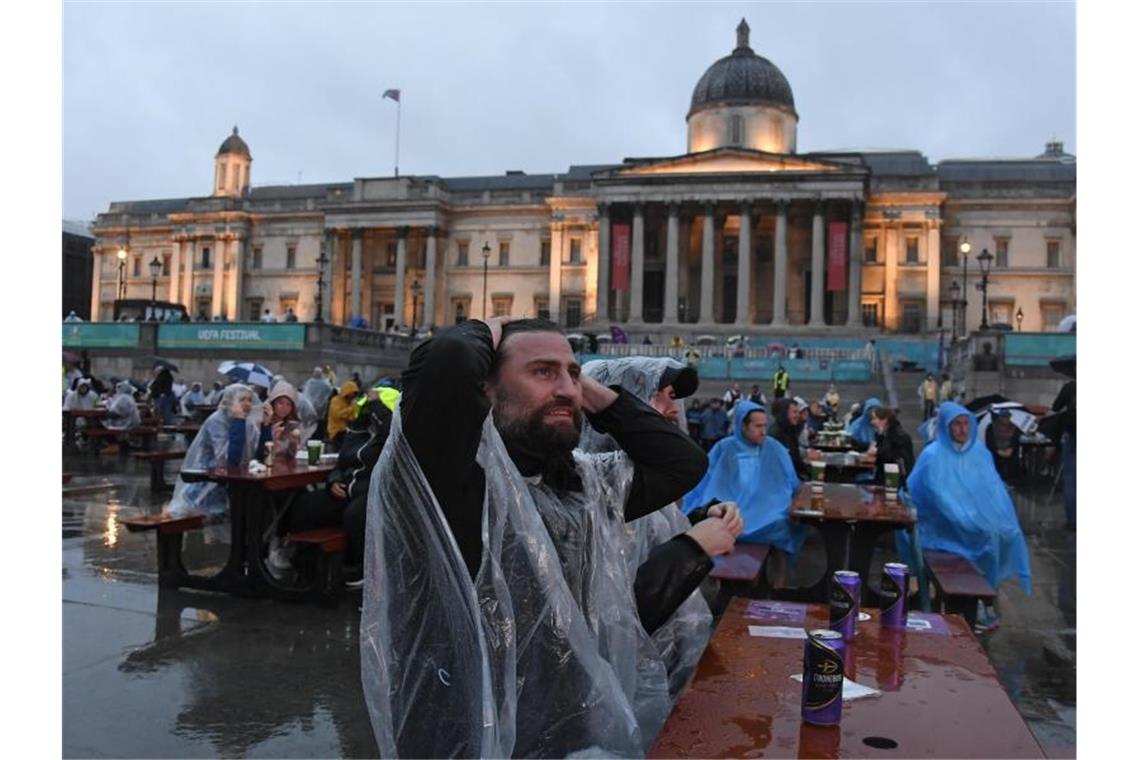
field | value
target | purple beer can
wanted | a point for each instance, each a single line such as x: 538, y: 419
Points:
x: 896, y: 585
x: 822, y: 697
x: 845, y: 594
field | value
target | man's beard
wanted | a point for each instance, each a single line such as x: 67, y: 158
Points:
x: 530, y: 434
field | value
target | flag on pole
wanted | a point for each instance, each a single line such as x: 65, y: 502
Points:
x: 393, y: 94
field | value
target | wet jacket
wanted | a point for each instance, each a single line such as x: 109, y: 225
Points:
x: 789, y: 435
x: 341, y: 409
x: 894, y: 446
x: 363, y: 442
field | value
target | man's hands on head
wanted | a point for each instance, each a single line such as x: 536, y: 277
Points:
x: 595, y: 396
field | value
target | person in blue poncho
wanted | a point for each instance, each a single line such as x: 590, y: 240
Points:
x: 963, y: 506
x: 861, y: 431
x: 758, y: 475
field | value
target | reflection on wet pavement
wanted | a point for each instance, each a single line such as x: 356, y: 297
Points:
x: 160, y: 673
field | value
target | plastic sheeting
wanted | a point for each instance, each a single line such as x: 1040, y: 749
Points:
x: 209, y: 449
x: 760, y: 479
x: 318, y: 391
x: 963, y: 507
x: 542, y: 654
x: 683, y: 637
x: 122, y: 411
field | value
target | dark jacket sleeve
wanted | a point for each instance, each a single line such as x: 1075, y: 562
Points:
x: 668, y: 576
x: 667, y: 464
x: 236, y: 442
x: 442, y: 409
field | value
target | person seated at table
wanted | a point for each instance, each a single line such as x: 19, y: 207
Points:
x: 280, y: 425
x: 123, y: 410
x: 306, y: 412
x: 214, y: 397
x: 963, y: 507
x: 758, y: 475
x: 693, y: 411
x: 665, y: 543
x: 228, y: 438
x: 714, y: 423
x: 80, y: 399
x: 1003, y: 439
x: 784, y: 427
x: 342, y: 408
x: 318, y: 390
x: 860, y: 429
x: 192, y: 399
x: 892, y: 444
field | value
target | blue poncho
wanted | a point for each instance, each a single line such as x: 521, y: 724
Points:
x: 963, y: 507
x: 760, y: 479
x: 860, y: 428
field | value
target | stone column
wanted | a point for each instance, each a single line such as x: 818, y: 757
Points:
x: 357, y: 251
x: 96, y: 282
x: 175, y: 259
x: 602, y: 310
x: 744, y: 267
x: 326, y: 281
x: 707, y: 242
x: 855, y: 268
x: 217, y: 304
x: 891, y: 232
x: 429, y: 276
x: 401, y: 271
x: 817, y: 266
x: 672, y: 239
x: 554, y: 281
x: 933, y: 274
x: 780, y: 270
x: 637, y: 266
x: 237, y: 276
x: 191, y: 255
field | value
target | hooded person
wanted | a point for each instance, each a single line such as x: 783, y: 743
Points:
x: 318, y: 391
x: 194, y: 397
x: 832, y: 399
x: 785, y: 427
x: 665, y: 536
x: 499, y: 614
x: 341, y: 411
x: 962, y: 504
x: 214, y: 397
x: 122, y: 410
x: 758, y: 475
x: 280, y: 423
x: 860, y: 428
x: 80, y: 399
x: 228, y: 438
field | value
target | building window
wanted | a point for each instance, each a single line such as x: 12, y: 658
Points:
x: 912, y: 250
x: 225, y: 171
x: 949, y: 253
x: 736, y: 130
x: 912, y: 317
x: 253, y: 309
x: 542, y: 308
x: 461, y: 308
x: 544, y: 253
x: 573, y: 312
x: 1051, y: 315
x: 205, y: 257
x: 461, y: 256
x: 256, y: 264
x: 136, y: 266
x: 504, y: 254
x: 1053, y: 254
x: 575, y: 251
x: 870, y: 315
x: 501, y: 306
x: 871, y: 250
x: 1001, y: 314
x: 390, y: 256
x: 1001, y: 253
x: 290, y: 257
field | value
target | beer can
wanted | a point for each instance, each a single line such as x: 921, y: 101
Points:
x: 845, y: 592
x: 896, y: 584
x: 822, y: 696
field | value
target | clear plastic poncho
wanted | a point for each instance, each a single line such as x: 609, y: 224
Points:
x: 209, y: 449
x: 542, y: 654
x: 123, y: 411
x: 317, y: 390
x: 682, y: 639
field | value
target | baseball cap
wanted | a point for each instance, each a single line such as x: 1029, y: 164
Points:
x: 683, y: 379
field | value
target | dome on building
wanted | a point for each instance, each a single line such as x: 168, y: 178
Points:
x: 234, y: 144
x: 742, y: 78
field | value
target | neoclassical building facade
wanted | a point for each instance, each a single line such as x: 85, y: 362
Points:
x: 740, y: 233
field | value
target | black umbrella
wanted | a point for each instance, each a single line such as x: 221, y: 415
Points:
x: 982, y: 402
x: 165, y: 363
x: 1066, y: 365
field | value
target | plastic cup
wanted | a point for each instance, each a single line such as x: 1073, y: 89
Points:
x: 268, y: 453
x: 314, y: 448
x: 891, y: 481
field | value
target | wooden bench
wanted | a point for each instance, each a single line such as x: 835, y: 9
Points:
x: 958, y: 585
x: 324, y: 548
x: 169, y: 530
x: 158, y: 460
x: 739, y: 573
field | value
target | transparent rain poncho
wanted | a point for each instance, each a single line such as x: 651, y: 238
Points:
x: 209, y: 449
x: 542, y: 654
x: 682, y: 639
x: 317, y: 390
x: 123, y: 411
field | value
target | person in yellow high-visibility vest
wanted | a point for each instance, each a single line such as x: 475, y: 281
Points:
x: 780, y: 382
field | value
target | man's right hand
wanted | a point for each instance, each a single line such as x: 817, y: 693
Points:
x: 338, y: 490
x: 714, y: 536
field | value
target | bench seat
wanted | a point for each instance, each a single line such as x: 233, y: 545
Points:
x: 324, y: 548
x: 958, y: 584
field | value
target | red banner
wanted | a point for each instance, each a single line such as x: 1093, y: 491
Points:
x: 620, y: 272
x: 837, y: 256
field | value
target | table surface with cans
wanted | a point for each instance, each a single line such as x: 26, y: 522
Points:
x: 935, y: 694
x: 847, y: 502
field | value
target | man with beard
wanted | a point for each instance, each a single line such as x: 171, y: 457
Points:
x: 536, y: 648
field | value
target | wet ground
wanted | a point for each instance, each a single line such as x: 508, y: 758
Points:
x: 149, y: 672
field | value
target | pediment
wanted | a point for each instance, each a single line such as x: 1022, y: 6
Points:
x: 727, y: 161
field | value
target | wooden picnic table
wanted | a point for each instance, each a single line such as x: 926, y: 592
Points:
x: 842, y: 468
x: 851, y: 519
x: 940, y: 696
x: 251, y: 503
x: 834, y: 447
x: 71, y: 415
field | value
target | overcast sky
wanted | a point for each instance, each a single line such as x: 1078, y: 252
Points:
x: 151, y: 90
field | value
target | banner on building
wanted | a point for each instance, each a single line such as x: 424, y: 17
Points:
x: 248, y: 336
x: 100, y: 335
x: 837, y: 256
x: 620, y: 274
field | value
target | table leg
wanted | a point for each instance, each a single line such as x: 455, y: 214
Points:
x: 836, y: 538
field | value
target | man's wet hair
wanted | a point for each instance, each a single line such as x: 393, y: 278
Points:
x: 517, y: 327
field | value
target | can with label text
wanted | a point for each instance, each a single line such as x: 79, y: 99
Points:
x: 845, y: 592
x: 896, y: 584
x: 822, y: 697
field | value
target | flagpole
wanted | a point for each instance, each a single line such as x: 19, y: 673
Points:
x: 398, y: 138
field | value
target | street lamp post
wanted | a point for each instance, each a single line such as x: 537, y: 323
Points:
x: 985, y: 258
x: 122, y: 290
x: 486, y: 256
x: 322, y: 261
x: 1020, y: 315
x: 416, y: 288
x: 155, y: 269
x: 955, y: 289
x: 964, y: 248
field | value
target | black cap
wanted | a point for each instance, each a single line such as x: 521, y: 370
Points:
x: 683, y: 379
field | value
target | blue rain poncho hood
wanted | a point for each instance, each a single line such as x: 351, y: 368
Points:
x: 682, y: 638
x: 860, y: 428
x: 542, y: 654
x: 962, y: 505
x: 209, y: 449
x: 760, y: 479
